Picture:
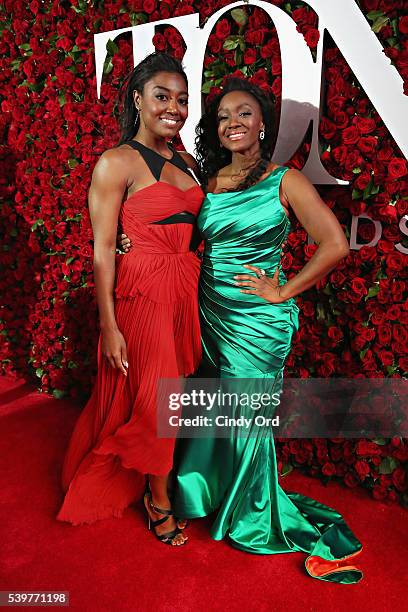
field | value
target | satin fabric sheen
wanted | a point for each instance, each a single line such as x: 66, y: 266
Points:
x: 244, y: 336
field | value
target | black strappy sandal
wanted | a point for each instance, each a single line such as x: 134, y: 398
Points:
x: 176, y: 518
x: 166, y: 538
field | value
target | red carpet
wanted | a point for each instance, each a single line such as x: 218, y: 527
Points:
x: 117, y: 565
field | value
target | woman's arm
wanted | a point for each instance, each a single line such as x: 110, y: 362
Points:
x: 321, y: 224
x: 108, y: 186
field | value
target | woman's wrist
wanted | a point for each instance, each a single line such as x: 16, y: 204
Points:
x: 284, y: 292
x: 108, y: 326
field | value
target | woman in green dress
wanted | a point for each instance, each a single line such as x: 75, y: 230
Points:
x: 248, y: 318
x: 247, y: 324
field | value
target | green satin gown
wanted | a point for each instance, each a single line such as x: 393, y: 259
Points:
x: 244, y: 336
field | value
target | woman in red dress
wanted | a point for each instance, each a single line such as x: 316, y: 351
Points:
x: 147, y: 302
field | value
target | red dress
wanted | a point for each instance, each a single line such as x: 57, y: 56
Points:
x: 114, y: 443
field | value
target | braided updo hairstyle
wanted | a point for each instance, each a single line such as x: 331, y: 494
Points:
x: 211, y: 157
x: 142, y: 73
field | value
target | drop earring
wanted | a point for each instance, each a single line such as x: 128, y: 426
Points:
x: 261, y: 134
x: 137, y: 114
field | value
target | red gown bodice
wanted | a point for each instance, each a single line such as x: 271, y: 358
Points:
x: 160, y: 264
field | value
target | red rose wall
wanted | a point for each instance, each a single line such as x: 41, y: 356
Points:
x: 354, y: 324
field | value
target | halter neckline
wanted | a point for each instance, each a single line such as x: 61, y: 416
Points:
x: 169, y: 159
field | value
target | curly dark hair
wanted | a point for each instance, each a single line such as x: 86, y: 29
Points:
x: 211, y: 157
x: 137, y: 79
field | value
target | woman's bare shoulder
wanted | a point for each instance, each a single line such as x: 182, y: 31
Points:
x: 189, y: 159
x: 121, y: 161
x: 120, y: 154
x: 295, y: 178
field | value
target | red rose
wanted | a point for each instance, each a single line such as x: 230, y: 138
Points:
x: 64, y: 43
x: 400, y: 334
x: 362, y: 180
x: 300, y: 15
x: 337, y: 278
x: 364, y: 334
x: 328, y: 367
x: 386, y: 357
x: 385, y: 246
x: 365, y: 125
x: 270, y: 49
x: 214, y: 44
x: 183, y: 9
x: 397, y: 168
x: 368, y: 361
x: 403, y: 364
x: 222, y: 29
x: 339, y: 154
x: 276, y: 65
x: 255, y: 37
x: 149, y: 6
x: 335, y: 333
x: 396, y: 262
x: 173, y: 37
x: 310, y: 250
x: 341, y: 119
x: 327, y: 128
x: 165, y: 11
x: 159, y: 42
x: 350, y: 135
x: 362, y: 468
x: 384, y: 333
x: 312, y: 37
x: 367, y: 447
x: 308, y: 309
x: 402, y: 207
x: 395, y: 441
x: 367, y: 144
x: 336, y: 452
x: 353, y: 159
x: 366, y: 231
x: 321, y: 451
x: 258, y: 19
x: 399, y: 479
x: 393, y: 312
x: 250, y: 56
x: 328, y: 469
x: 358, y: 287
x: 260, y: 77
x: 385, y: 153
x: 350, y: 480
x: 367, y: 253
x: 301, y: 456
x: 403, y: 24
x: 371, y: 5
x: 397, y: 290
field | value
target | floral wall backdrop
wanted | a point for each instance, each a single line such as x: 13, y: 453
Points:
x: 53, y: 128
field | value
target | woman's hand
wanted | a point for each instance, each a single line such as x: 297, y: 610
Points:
x: 114, y: 349
x: 264, y: 286
x: 124, y: 243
